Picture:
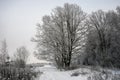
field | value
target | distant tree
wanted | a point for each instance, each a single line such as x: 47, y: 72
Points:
x: 44, y: 55
x: 21, y: 56
x: 4, y: 52
x: 62, y: 33
x: 118, y: 10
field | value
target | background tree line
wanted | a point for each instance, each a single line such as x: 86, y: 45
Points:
x: 19, y: 59
x: 69, y: 35
x: 16, y: 68
x: 103, y: 40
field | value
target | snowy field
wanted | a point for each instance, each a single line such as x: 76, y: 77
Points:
x: 51, y: 73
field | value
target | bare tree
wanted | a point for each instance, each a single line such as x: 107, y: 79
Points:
x: 4, y: 52
x: 63, y: 33
x: 98, y: 21
x: 21, y: 56
x: 102, y: 46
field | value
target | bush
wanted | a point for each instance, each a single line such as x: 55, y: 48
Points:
x: 75, y: 74
x: 104, y: 76
x: 12, y: 73
x: 20, y: 63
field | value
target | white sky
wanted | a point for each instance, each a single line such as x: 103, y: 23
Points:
x: 18, y: 18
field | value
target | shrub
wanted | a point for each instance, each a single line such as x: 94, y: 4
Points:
x: 12, y: 73
x: 104, y: 76
x: 20, y: 63
x: 75, y: 74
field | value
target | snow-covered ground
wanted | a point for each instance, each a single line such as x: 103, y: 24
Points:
x: 51, y: 73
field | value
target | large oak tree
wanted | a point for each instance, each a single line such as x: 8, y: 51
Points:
x: 62, y: 33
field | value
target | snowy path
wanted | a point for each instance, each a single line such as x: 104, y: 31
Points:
x: 60, y: 76
x: 51, y: 73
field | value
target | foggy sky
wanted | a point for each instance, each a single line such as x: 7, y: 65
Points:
x: 18, y: 18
